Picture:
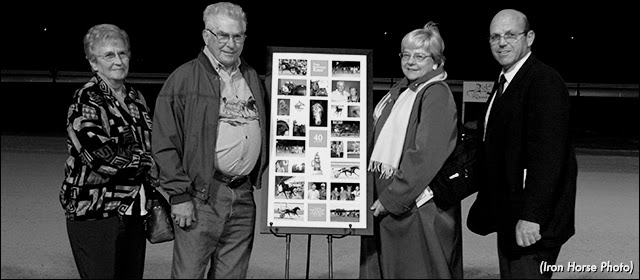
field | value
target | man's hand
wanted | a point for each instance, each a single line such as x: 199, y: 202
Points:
x: 183, y: 214
x: 527, y: 233
x: 378, y: 209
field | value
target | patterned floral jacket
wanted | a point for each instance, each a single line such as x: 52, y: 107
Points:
x: 110, y: 152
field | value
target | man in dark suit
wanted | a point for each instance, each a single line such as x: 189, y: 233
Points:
x: 528, y: 195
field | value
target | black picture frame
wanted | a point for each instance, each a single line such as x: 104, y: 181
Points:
x: 292, y: 194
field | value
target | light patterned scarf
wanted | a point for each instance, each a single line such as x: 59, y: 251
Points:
x: 388, y: 148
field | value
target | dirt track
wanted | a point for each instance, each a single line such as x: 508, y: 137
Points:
x: 35, y: 244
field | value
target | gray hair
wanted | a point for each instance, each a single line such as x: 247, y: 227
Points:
x: 225, y: 8
x: 103, y: 33
x: 427, y: 37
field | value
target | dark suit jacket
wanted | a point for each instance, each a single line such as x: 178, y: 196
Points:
x: 528, y: 128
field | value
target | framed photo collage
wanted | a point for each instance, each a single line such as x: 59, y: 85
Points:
x: 317, y: 169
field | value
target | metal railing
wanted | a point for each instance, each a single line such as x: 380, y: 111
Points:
x: 379, y: 84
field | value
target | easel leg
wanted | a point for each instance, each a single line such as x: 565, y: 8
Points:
x: 308, y: 255
x: 286, y: 265
x: 330, y: 245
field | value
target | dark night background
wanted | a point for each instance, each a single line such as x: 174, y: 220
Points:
x: 586, y: 43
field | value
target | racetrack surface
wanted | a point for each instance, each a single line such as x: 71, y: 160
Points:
x: 35, y: 242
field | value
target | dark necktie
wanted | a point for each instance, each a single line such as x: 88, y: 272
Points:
x: 501, y: 86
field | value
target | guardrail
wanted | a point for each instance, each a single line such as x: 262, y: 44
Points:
x: 379, y: 84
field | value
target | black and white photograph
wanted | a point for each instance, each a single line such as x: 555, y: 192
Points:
x: 317, y: 191
x: 341, y: 91
x: 283, y: 106
x: 344, y: 213
x: 298, y: 166
x: 288, y: 211
x: 337, y: 111
x: 290, y: 148
x: 320, y: 87
x: 353, y: 111
x: 292, y: 87
x: 318, y: 113
x: 297, y: 67
x: 283, y: 127
x: 564, y: 111
x: 299, y: 128
x: 345, y: 191
x: 345, y: 129
x: 282, y: 166
x: 289, y: 187
x: 349, y: 69
x: 353, y: 149
x: 346, y: 170
x: 337, y: 149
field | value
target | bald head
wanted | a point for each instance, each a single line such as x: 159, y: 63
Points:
x: 510, y: 17
x: 511, y: 38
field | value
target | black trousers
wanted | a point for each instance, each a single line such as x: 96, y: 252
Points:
x: 527, y: 266
x: 112, y: 248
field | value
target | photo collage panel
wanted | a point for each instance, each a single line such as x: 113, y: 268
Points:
x: 318, y: 174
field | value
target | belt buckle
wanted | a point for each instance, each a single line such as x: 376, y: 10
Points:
x: 236, y: 181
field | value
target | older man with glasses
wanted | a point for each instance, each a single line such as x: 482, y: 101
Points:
x: 529, y: 194
x: 210, y: 144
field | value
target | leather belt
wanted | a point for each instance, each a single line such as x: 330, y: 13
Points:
x: 231, y: 181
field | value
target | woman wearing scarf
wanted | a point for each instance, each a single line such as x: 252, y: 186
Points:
x: 415, y: 131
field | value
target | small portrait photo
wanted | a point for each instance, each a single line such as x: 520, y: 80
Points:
x: 318, y: 113
x: 292, y: 87
x: 337, y: 149
x: 282, y: 127
x: 344, y: 213
x: 345, y: 129
x: 349, y: 69
x: 290, y: 148
x: 319, y: 88
x: 345, y: 191
x: 353, y: 111
x: 337, y: 110
x: 299, y: 128
x: 283, y: 107
x: 317, y: 191
x: 345, y: 170
x: 289, y: 187
x: 282, y: 166
x: 340, y: 90
x: 353, y: 149
x: 297, y: 67
x: 354, y: 94
x: 288, y: 211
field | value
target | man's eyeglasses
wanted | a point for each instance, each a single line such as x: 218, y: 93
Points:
x: 508, y: 37
x: 418, y: 56
x: 110, y: 56
x: 223, y: 38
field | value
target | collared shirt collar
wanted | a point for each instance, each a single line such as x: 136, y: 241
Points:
x: 217, y: 65
x: 509, y: 75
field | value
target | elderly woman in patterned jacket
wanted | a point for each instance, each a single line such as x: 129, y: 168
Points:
x: 108, y: 139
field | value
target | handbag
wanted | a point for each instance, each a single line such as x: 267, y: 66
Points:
x: 456, y: 179
x: 159, y: 227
